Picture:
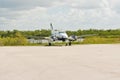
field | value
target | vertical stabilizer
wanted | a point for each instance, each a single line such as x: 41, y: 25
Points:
x: 51, y: 26
x: 52, y: 31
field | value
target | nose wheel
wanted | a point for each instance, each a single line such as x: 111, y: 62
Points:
x: 68, y: 43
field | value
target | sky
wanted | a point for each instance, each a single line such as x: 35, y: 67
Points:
x: 63, y: 14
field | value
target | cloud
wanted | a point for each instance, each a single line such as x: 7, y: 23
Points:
x: 23, y: 19
x: 25, y: 4
x: 65, y: 14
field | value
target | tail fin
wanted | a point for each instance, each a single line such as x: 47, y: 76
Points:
x: 51, y: 26
x: 52, y: 31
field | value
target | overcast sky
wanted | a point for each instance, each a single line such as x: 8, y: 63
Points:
x: 64, y: 14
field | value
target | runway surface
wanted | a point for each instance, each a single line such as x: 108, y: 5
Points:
x: 83, y: 62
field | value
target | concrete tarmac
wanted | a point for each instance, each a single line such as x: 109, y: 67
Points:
x: 82, y: 62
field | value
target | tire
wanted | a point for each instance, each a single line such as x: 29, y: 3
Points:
x: 49, y: 44
x: 70, y: 43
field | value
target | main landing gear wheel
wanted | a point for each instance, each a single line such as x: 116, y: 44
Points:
x: 49, y: 44
x: 70, y: 43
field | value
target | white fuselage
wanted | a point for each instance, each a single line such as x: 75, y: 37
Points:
x: 59, y: 35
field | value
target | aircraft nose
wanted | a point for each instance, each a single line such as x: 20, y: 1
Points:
x: 65, y: 36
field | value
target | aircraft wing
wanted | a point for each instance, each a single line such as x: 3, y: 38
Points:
x: 87, y: 35
x: 74, y: 37
x: 38, y: 38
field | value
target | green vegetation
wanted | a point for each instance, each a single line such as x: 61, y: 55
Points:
x: 19, y: 38
x: 100, y: 40
x: 13, y: 39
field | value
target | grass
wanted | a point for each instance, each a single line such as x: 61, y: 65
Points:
x: 99, y: 40
x: 88, y: 40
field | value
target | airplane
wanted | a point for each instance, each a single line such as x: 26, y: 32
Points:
x: 58, y: 35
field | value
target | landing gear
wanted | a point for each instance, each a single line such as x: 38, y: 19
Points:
x: 68, y: 43
x: 49, y: 44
